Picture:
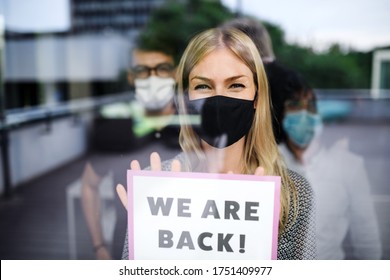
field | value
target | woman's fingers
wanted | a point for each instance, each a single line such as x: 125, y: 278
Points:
x: 134, y: 165
x: 155, y: 162
x: 121, y: 191
x: 176, y: 166
x: 259, y: 171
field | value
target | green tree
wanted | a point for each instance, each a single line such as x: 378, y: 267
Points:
x: 175, y: 23
x: 332, y: 68
x: 277, y: 36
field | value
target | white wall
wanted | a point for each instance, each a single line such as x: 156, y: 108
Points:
x: 78, y: 58
x: 379, y: 57
x: 34, y: 151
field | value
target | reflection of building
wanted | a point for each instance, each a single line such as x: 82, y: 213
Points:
x: 380, y: 71
x: 88, y: 60
x: 48, y: 68
x: 102, y: 15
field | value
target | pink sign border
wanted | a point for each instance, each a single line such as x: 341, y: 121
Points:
x: 241, y: 177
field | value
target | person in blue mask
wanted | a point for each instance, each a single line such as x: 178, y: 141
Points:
x: 346, y: 222
x: 298, y: 122
x: 281, y: 80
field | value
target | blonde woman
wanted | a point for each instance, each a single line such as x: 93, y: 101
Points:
x: 222, y: 78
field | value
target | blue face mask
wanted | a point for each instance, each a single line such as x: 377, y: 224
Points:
x: 301, y: 126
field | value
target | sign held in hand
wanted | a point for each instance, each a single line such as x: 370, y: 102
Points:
x: 202, y: 216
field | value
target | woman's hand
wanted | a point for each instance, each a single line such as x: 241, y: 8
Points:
x: 155, y: 165
x: 258, y: 172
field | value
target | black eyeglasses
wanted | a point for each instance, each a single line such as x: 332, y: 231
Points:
x: 163, y: 70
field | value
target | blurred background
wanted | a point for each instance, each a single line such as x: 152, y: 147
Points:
x: 63, y: 61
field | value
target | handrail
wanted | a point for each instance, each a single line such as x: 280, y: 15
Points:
x: 19, y: 117
x: 353, y: 94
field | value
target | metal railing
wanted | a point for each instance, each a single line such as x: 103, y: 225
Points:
x: 333, y: 104
x: 19, y: 117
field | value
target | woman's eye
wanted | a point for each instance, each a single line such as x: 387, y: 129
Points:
x: 237, y: 86
x: 200, y: 87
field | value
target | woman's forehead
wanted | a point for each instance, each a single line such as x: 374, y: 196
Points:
x: 220, y: 61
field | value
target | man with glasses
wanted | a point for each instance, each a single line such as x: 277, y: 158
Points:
x: 152, y: 75
x: 153, y: 78
x: 155, y: 127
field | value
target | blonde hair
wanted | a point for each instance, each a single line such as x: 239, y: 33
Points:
x: 260, y: 146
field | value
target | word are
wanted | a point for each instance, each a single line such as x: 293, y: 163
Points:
x: 231, y: 209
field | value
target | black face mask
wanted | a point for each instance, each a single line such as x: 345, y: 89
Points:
x: 224, y: 120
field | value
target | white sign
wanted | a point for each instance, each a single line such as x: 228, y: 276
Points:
x: 202, y: 216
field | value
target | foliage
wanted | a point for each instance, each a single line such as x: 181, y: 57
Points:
x: 330, y: 69
x: 277, y: 36
x: 333, y: 68
x: 175, y: 23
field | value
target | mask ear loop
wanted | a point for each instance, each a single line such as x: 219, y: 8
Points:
x: 191, y: 110
x: 255, y: 101
x: 176, y: 99
x: 188, y: 109
x: 254, y: 109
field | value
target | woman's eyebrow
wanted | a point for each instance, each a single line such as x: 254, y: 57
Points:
x: 228, y: 79
x: 235, y: 78
x: 200, y: 78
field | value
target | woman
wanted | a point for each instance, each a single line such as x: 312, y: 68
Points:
x: 221, y: 77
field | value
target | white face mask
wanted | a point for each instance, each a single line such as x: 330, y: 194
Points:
x: 154, y: 93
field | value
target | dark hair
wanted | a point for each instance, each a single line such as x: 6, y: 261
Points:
x: 145, y: 43
x: 284, y: 84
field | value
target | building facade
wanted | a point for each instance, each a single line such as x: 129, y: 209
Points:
x: 93, y: 16
x: 90, y: 59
